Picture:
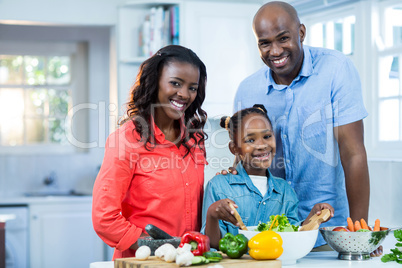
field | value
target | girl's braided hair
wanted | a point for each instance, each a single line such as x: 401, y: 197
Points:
x: 232, y: 123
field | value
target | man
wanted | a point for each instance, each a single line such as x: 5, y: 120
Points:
x: 314, y: 98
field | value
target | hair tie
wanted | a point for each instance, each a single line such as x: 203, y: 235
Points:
x: 227, y: 120
x: 261, y: 109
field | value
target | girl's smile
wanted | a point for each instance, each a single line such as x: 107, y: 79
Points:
x: 255, y: 143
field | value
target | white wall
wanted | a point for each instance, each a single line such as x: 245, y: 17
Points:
x: 385, y: 194
x: 81, y: 12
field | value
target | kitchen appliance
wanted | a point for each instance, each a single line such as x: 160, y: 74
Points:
x: 16, y: 236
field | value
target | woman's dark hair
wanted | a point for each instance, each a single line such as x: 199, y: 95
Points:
x: 144, y: 92
x: 232, y: 123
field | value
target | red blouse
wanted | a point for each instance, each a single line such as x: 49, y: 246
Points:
x: 136, y: 187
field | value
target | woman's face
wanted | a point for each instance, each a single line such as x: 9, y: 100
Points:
x: 255, y: 143
x: 178, y: 85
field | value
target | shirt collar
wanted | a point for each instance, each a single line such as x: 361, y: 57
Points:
x: 242, y: 174
x: 160, y: 137
x: 306, y: 71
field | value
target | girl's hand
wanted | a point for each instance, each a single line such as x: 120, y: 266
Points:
x: 220, y: 210
x: 317, y: 210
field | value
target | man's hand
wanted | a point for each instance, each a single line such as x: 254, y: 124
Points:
x: 377, y: 252
x: 317, y: 209
x: 230, y: 170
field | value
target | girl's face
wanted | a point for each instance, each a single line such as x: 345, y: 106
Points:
x: 178, y: 85
x: 255, y: 144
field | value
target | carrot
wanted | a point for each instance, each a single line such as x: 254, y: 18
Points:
x: 376, y: 225
x: 272, y: 224
x: 364, y: 224
x: 350, y: 224
x: 357, y: 226
x: 371, y: 229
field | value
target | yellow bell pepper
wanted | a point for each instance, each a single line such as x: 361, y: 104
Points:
x: 266, y: 245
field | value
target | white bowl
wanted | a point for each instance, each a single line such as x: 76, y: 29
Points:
x: 295, y: 245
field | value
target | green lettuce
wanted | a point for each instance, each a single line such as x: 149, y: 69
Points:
x: 396, y: 254
x: 281, y: 224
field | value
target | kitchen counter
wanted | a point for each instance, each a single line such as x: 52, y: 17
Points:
x: 51, y: 199
x: 327, y: 259
x: 2, y: 244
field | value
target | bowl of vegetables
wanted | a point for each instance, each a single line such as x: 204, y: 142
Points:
x: 296, y: 244
x: 354, y: 241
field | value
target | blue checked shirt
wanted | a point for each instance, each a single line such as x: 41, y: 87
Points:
x: 326, y: 93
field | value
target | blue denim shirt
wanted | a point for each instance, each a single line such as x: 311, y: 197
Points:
x: 327, y: 93
x: 253, y: 208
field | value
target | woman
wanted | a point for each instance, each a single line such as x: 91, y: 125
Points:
x: 153, y: 168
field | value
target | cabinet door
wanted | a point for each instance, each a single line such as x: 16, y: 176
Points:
x: 221, y: 34
x: 61, y: 235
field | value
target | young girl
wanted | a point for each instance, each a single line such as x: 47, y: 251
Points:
x: 153, y: 168
x: 254, y: 191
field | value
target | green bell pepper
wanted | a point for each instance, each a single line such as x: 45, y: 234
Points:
x: 233, y: 246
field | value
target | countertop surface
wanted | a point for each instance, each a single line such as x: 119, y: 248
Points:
x: 50, y: 199
x: 327, y: 259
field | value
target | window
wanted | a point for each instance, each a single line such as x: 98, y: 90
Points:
x: 35, y: 99
x: 370, y: 34
x: 335, y: 34
x: 389, y: 71
x: 38, y: 89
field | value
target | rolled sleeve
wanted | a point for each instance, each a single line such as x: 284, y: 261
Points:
x: 112, y: 182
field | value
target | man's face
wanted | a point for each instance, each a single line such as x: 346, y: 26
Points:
x: 280, y: 39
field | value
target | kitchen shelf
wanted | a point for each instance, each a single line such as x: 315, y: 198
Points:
x: 219, y: 32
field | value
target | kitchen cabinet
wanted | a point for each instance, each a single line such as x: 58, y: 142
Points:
x: 61, y: 235
x: 219, y: 32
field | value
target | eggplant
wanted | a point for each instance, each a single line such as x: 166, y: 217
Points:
x: 157, y: 233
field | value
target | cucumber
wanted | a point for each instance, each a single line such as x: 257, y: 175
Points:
x: 157, y: 233
x: 198, y: 260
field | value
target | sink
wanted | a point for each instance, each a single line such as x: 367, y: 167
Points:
x: 54, y: 193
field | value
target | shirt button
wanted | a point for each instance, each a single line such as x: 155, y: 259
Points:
x: 285, y: 136
x: 263, y: 203
x: 289, y: 182
x: 287, y: 161
x: 289, y: 90
x: 186, y: 183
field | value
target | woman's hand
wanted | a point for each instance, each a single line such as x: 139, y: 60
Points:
x: 220, y: 210
x: 317, y: 209
x: 135, y: 245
